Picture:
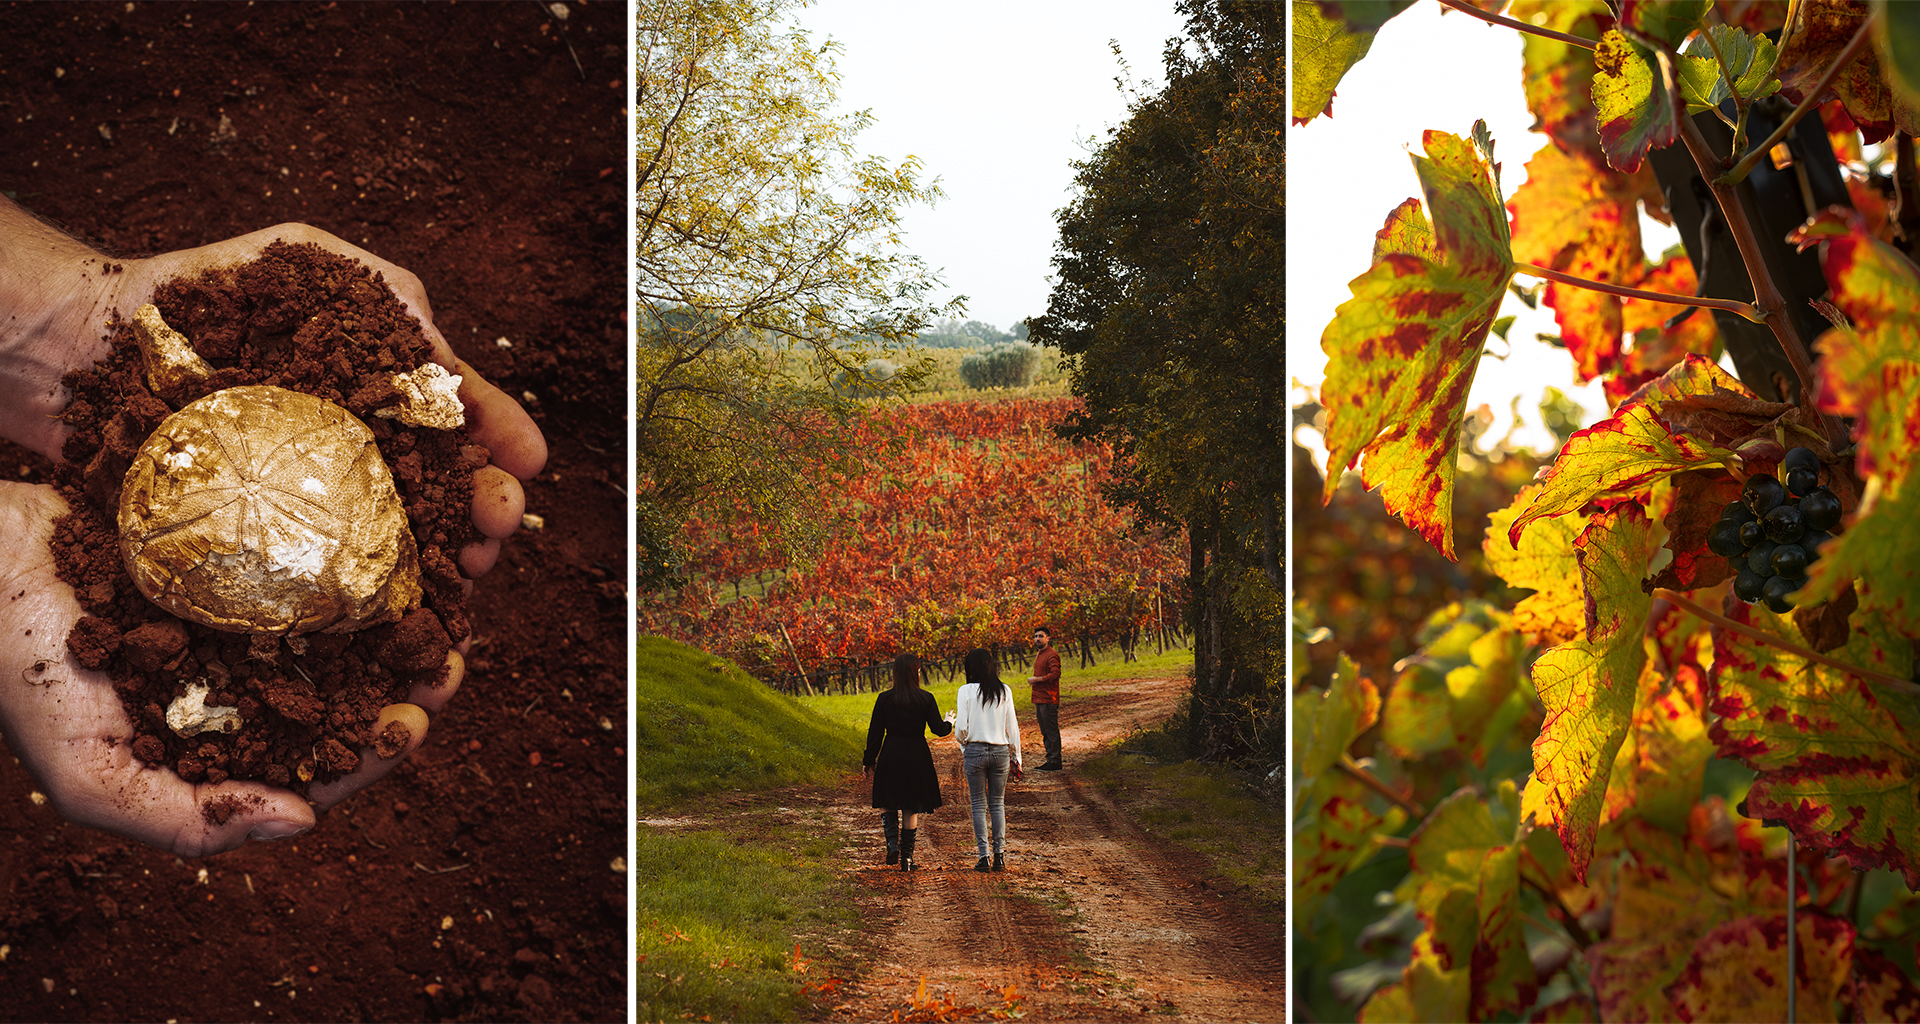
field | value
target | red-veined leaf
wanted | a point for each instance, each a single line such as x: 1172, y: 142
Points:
x: 1542, y: 562
x: 1814, y: 36
x: 1738, y: 970
x: 1631, y: 104
x: 1589, y: 686
x: 1402, y: 352
x: 1837, y: 756
x: 1628, y: 452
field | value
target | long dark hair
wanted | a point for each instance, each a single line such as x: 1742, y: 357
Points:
x: 906, y: 672
x: 981, y: 673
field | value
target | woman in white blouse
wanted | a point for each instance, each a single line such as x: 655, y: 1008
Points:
x: 989, y: 733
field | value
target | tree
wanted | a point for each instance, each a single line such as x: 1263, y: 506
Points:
x: 1685, y: 746
x: 1005, y: 365
x: 1170, y: 270
x: 769, y: 264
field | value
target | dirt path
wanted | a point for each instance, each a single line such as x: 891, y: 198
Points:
x: 1093, y: 919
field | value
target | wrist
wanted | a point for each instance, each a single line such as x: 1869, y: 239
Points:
x: 57, y: 301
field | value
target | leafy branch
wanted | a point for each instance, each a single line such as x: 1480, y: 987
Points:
x: 1807, y: 105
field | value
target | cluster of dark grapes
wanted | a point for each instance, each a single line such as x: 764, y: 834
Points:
x: 1776, y: 530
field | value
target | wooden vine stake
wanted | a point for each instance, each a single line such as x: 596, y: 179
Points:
x: 802, y: 669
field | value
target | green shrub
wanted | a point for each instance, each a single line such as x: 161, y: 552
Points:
x: 1007, y: 365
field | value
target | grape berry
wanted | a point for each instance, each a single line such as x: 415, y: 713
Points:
x: 1774, y: 532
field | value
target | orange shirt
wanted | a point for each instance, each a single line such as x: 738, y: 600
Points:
x: 1047, y: 666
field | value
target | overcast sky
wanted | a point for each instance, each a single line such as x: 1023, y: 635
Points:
x: 997, y: 98
x: 1346, y: 172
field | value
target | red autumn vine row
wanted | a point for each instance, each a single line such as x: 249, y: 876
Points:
x: 980, y: 524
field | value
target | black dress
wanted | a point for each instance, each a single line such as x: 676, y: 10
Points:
x: 903, y: 775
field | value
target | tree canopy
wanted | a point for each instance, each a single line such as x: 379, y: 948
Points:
x: 769, y: 266
x: 1169, y: 296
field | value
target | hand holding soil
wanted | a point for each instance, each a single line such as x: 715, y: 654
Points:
x: 66, y: 720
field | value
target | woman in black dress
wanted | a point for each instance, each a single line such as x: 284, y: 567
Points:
x: 897, y: 757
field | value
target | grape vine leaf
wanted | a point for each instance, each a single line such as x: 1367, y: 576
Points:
x: 1576, y: 215
x: 1556, y: 611
x: 1589, y: 686
x: 1667, y: 21
x: 1896, y: 35
x: 1872, y: 373
x: 1626, y: 453
x: 1663, y: 334
x: 1403, y: 351
x: 1450, y: 693
x: 1662, y: 761
x: 1630, y: 102
x: 1558, y: 76
x: 1333, y: 833
x: 1325, y: 722
x: 1836, y: 755
x: 1880, y: 989
x: 1697, y: 501
x: 1328, y: 40
x: 1464, y: 882
x: 1812, y: 39
x: 1668, y: 892
x: 1427, y: 990
x: 1749, y: 63
x: 1738, y: 969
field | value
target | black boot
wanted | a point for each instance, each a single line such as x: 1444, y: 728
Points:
x: 907, y: 836
x: 890, y: 827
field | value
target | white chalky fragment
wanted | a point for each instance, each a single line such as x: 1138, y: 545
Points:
x: 529, y: 521
x: 189, y: 714
x: 432, y: 399
x: 172, y: 364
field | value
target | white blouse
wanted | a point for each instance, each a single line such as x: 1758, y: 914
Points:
x: 977, y: 722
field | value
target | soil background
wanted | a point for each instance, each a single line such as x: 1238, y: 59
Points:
x: 480, y: 146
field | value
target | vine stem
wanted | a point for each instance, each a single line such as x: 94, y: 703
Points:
x: 1495, y: 19
x: 1373, y: 782
x: 1891, y: 682
x: 1766, y: 294
x: 1745, y: 309
x: 1747, y: 163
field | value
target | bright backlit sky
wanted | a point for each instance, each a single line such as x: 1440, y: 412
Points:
x: 997, y: 98
x: 1345, y: 173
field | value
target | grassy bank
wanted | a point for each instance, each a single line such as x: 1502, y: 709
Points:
x: 704, y: 726
x: 719, y: 911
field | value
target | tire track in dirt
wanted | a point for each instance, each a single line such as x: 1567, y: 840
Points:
x: 1093, y: 920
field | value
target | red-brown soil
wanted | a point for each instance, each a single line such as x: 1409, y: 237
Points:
x: 482, y: 879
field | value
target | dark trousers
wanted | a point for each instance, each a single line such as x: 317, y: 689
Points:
x: 1048, y: 716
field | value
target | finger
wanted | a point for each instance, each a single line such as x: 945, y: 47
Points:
x: 498, y: 502
x: 399, y: 731
x: 494, y: 419
x: 433, y: 696
x: 477, y: 559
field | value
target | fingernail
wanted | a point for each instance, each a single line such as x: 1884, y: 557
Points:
x: 273, y: 830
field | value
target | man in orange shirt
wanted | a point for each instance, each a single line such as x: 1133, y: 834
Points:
x: 1046, y: 694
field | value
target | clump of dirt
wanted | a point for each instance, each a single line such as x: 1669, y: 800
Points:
x: 309, y: 320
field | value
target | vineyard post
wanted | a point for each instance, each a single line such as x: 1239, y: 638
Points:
x: 797, y: 664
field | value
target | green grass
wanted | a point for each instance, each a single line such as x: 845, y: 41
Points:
x: 718, y: 914
x: 705, y: 726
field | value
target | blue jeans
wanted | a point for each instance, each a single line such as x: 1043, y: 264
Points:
x: 987, y: 765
